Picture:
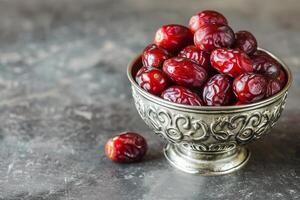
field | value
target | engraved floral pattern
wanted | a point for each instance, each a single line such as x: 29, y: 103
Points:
x: 199, y: 132
x: 211, y: 147
x: 245, y: 127
x: 176, y: 127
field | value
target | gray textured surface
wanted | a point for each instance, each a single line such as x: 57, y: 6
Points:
x: 64, y: 92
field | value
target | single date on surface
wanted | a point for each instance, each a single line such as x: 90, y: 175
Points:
x: 152, y: 80
x: 126, y: 147
x: 181, y: 95
x: 218, y: 91
x: 185, y: 72
x: 232, y: 62
x: 154, y: 56
x: 250, y: 87
x: 173, y: 37
x: 206, y: 17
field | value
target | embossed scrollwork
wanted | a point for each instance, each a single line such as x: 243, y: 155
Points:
x: 199, y: 133
x: 247, y: 126
x: 175, y: 127
x: 215, y: 147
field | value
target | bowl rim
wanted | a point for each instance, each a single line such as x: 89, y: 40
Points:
x: 163, y: 102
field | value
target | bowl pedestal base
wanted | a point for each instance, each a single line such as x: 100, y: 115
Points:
x: 206, y: 163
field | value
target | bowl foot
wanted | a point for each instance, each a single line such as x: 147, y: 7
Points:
x: 207, y: 163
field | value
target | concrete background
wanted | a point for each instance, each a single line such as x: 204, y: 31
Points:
x: 64, y: 92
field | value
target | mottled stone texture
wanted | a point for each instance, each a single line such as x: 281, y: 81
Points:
x: 64, y: 92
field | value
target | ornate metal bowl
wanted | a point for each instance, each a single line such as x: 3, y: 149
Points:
x: 207, y: 140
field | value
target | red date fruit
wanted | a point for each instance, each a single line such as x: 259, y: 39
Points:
x: 181, y: 95
x: 154, y: 56
x: 273, y: 87
x: 217, y: 91
x: 246, y: 42
x: 126, y: 147
x: 213, y: 36
x: 266, y: 65
x: 232, y: 62
x: 185, y: 72
x: 206, y: 17
x: 152, y: 80
x: 281, y: 77
x: 250, y: 87
x: 173, y: 37
x: 197, y: 55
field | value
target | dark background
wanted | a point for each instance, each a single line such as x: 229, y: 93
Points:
x: 64, y: 92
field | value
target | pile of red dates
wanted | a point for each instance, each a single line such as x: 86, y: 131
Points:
x: 207, y: 64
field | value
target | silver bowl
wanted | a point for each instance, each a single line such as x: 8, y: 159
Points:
x: 207, y: 140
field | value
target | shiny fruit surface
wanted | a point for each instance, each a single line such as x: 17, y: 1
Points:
x: 126, y: 147
x: 264, y: 64
x: 181, y: 95
x: 218, y: 91
x: 213, y: 36
x: 173, y: 37
x: 206, y: 17
x: 232, y: 62
x: 197, y: 55
x: 250, y: 87
x: 154, y: 56
x: 245, y: 41
x: 273, y: 87
x: 185, y: 72
x: 152, y: 80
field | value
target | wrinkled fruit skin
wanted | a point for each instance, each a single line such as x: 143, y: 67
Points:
x: 197, y: 55
x: 181, y: 95
x: 213, y: 36
x: 126, y: 147
x: 246, y: 42
x: 154, y: 56
x: 206, y: 17
x: 185, y: 72
x: 218, y: 91
x: 264, y: 64
x: 232, y: 62
x: 152, y: 80
x: 173, y: 37
x: 250, y: 87
x: 273, y: 87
